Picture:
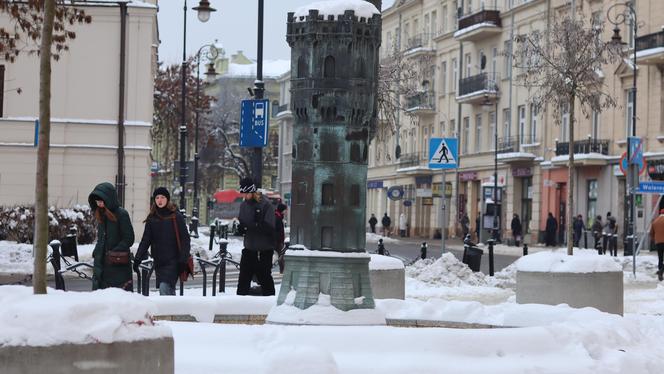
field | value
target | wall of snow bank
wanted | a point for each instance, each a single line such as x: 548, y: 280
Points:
x: 583, y: 261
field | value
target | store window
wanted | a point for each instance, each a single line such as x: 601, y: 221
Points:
x: 592, y: 200
x: 526, y: 203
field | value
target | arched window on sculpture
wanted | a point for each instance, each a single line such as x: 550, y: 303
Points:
x: 301, y: 67
x: 328, y: 67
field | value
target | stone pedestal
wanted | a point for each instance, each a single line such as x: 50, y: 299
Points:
x: 601, y: 290
x: 388, y: 283
x: 343, y: 276
x: 152, y: 356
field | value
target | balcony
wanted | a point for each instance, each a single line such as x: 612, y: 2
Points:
x: 586, y: 152
x: 283, y: 112
x: 510, y: 150
x: 650, y: 49
x: 477, y: 88
x: 419, y: 45
x: 422, y: 103
x: 408, y: 160
x: 479, y: 26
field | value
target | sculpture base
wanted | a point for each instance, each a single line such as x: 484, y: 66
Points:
x: 341, y: 275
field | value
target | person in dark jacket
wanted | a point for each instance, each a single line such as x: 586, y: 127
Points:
x: 551, y: 228
x: 373, y: 221
x: 465, y: 225
x: 280, y: 237
x: 577, y: 229
x: 386, y: 222
x: 114, y: 233
x: 516, y: 229
x: 596, y: 229
x: 167, y: 237
x: 257, y: 223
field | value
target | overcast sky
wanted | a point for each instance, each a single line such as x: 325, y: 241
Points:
x: 234, y: 25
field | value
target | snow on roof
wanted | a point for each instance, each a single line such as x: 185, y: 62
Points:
x: 510, y: 155
x: 130, y: 3
x: 299, y: 250
x: 583, y: 261
x: 380, y: 262
x: 581, y: 156
x: 474, y: 27
x: 337, y: 7
x: 649, y: 52
x: 271, y: 69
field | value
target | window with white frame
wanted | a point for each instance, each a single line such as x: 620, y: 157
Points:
x: 442, y: 128
x: 425, y: 32
x: 507, y: 63
x: 534, y: 113
x: 453, y: 130
x: 595, y: 124
x: 492, y: 130
x: 564, y: 124
x: 466, y: 134
x: 507, y: 123
x: 480, y: 56
x: 434, y: 24
x: 455, y: 74
x: 389, y: 48
x: 443, y: 78
x: 522, y: 123
x: 443, y: 27
x: 629, y: 112
x: 468, y: 66
x: 478, y: 132
x: 494, y: 62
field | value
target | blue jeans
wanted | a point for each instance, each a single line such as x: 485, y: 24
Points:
x: 165, y: 289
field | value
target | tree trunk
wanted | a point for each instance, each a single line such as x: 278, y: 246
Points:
x: 570, y: 183
x: 41, y: 181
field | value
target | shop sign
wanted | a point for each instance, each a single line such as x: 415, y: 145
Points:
x: 522, y: 172
x: 656, y: 170
x: 468, y: 176
x: 436, y: 190
x: 395, y: 193
x: 374, y: 184
x: 427, y: 201
x: 426, y: 179
x: 407, y: 203
x: 423, y: 192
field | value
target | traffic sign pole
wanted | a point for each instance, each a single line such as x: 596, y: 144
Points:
x: 443, y: 202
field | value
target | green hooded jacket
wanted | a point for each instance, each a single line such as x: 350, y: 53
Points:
x: 111, y: 236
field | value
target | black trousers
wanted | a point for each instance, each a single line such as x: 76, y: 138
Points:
x: 259, y: 263
x: 660, y: 256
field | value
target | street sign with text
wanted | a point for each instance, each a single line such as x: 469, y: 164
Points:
x: 254, y: 123
x: 651, y: 187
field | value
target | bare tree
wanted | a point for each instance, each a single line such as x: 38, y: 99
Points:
x: 562, y: 67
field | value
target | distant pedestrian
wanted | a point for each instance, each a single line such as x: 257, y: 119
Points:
x: 381, y: 247
x: 657, y: 235
x: 115, y: 235
x: 386, y: 222
x: 280, y: 236
x: 465, y: 225
x: 167, y: 237
x: 517, y: 229
x: 551, y: 229
x: 611, y: 235
x: 577, y: 229
x: 372, y: 223
x: 477, y: 227
x: 402, y: 225
x: 257, y: 223
x: 597, y: 234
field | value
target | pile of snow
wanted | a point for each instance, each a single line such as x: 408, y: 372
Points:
x: 380, y: 262
x: 445, y: 271
x: 205, y: 308
x: 337, y: 7
x: 16, y: 258
x: 323, y: 313
x: 60, y: 317
x: 583, y: 261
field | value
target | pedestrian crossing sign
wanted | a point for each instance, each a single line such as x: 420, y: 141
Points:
x: 443, y: 153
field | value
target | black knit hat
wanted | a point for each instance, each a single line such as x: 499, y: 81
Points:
x: 247, y: 185
x: 161, y: 191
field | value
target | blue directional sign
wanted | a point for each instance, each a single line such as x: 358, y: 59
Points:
x: 651, y: 187
x: 254, y: 123
x: 635, y: 150
x: 443, y: 153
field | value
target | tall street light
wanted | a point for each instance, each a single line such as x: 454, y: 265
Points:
x: 488, y: 103
x: 210, y: 52
x: 204, y: 11
x: 259, y: 89
x: 625, y: 14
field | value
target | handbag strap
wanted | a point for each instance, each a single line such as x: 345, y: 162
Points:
x: 177, y: 232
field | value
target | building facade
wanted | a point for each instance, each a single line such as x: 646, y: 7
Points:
x: 85, y: 109
x: 472, y: 92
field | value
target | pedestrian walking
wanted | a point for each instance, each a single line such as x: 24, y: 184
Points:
x: 517, y: 229
x: 577, y: 230
x: 257, y: 224
x: 402, y: 225
x: 597, y: 234
x: 167, y: 237
x: 551, y: 228
x: 611, y: 235
x: 372, y: 223
x: 465, y: 225
x: 477, y: 227
x: 386, y: 222
x: 280, y: 236
x: 657, y: 235
x: 115, y: 235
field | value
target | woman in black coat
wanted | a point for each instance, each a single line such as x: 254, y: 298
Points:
x: 551, y: 228
x: 167, y: 235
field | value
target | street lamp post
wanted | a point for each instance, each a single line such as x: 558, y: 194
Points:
x: 624, y: 17
x: 204, y: 11
x: 210, y: 53
x: 259, y: 89
x: 494, y: 237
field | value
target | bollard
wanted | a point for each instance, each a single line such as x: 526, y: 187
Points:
x: 381, y: 247
x: 491, y: 241
x: 193, y: 227
x: 585, y: 239
x: 212, y: 230
x: 423, y: 251
x: 55, y: 262
x: 525, y: 249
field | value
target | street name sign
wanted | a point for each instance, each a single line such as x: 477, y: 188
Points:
x: 651, y: 187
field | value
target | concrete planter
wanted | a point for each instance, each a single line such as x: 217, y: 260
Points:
x: 601, y: 290
x: 388, y: 284
x: 143, y: 356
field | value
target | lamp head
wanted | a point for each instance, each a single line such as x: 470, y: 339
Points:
x: 211, y: 73
x: 204, y: 10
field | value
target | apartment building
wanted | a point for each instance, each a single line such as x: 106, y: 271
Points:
x: 472, y: 92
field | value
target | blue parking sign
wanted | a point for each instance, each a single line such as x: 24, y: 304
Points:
x: 254, y: 123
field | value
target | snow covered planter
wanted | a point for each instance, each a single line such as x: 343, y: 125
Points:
x: 388, y: 278
x: 583, y: 280
x: 109, y: 331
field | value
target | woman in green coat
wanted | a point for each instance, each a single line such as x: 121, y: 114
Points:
x: 114, y: 233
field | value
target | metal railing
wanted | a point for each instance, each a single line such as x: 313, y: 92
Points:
x: 478, y: 83
x: 654, y: 40
x: 508, y: 144
x: 421, y: 100
x: 491, y: 16
x: 282, y: 108
x: 409, y: 159
x: 590, y: 145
